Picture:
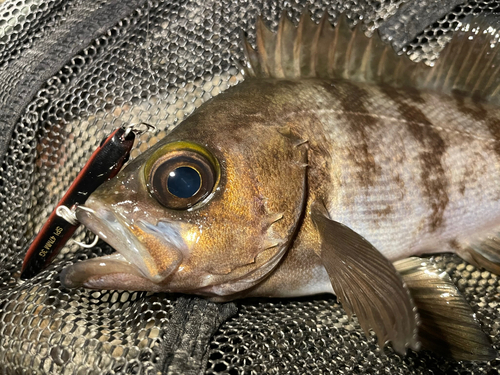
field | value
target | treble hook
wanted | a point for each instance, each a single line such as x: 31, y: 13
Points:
x: 85, y: 245
x: 70, y: 216
x: 67, y: 214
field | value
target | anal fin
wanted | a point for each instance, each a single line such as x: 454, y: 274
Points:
x: 447, y: 324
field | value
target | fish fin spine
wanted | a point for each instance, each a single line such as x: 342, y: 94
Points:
x: 320, y: 50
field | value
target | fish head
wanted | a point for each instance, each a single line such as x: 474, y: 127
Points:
x: 209, y: 210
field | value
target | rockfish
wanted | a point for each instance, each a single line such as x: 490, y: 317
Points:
x: 327, y: 170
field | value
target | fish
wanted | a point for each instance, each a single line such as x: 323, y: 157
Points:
x: 331, y: 168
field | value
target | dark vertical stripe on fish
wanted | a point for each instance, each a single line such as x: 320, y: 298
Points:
x: 435, y: 183
x: 352, y: 98
x: 476, y: 111
x: 479, y: 113
x: 494, y: 129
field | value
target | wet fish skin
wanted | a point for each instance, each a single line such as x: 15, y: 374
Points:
x: 414, y: 162
x: 402, y: 167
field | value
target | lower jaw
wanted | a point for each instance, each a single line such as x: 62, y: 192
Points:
x: 94, y: 271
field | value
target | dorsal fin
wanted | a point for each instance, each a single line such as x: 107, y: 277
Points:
x: 311, y: 50
x: 469, y: 63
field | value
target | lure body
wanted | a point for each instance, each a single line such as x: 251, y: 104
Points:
x: 103, y: 164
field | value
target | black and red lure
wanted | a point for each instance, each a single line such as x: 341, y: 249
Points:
x: 103, y: 165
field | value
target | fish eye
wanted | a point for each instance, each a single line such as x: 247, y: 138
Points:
x: 181, y: 174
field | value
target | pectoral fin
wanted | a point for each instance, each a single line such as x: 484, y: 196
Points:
x: 366, y: 283
x: 448, y: 325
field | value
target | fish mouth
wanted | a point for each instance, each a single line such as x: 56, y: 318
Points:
x: 133, y: 263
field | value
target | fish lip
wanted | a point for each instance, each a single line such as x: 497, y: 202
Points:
x: 106, y: 224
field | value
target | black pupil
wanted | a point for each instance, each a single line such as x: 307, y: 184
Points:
x: 184, y: 182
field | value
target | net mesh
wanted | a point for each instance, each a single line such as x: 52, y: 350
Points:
x: 157, y: 65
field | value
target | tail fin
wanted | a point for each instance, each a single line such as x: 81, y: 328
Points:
x: 448, y: 325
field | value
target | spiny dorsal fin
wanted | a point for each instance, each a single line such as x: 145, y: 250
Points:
x: 469, y: 63
x: 310, y: 50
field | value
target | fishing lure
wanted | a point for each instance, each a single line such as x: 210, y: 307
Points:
x: 104, y: 164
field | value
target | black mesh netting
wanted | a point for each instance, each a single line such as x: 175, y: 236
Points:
x: 72, y: 71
